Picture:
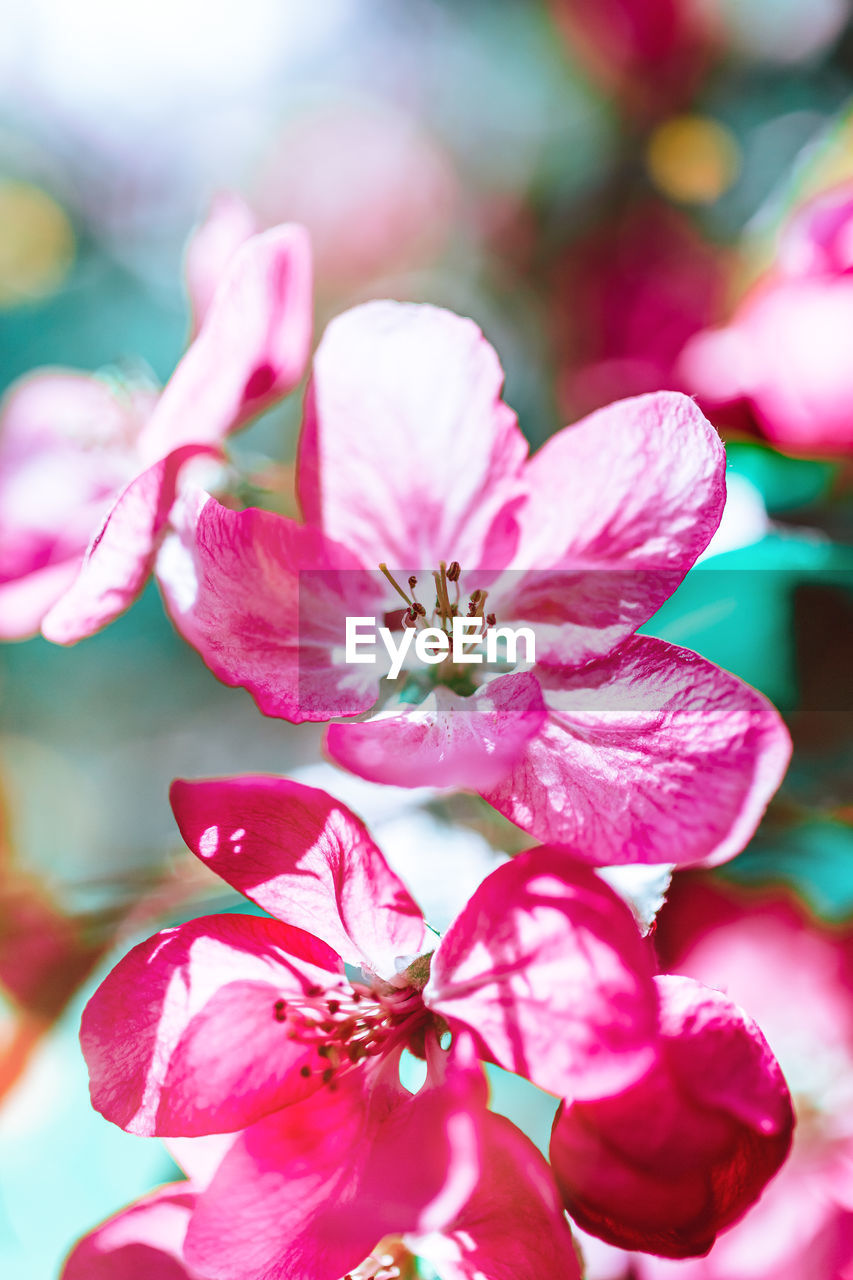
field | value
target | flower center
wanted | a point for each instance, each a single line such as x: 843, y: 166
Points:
x: 346, y: 1025
x: 446, y: 578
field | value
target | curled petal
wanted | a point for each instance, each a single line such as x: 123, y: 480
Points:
x: 251, y: 349
x: 228, y: 225
x: 122, y: 553
x: 144, y: 1240
x: 264, y: 600
x: 305, y: 858
x: 667, y: 1164
x: 547, y: 968
x: 408, y: 454
x: 311, y: 1192
x: 652, y: 755
x: 445, y: 740
x: 183, y: 1037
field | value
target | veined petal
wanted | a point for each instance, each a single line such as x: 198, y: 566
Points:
x: 408, y: 454
x: 513, y: 1227
x: 445, y: 740
x: 144, y: 1240
x: 651, y: 755
x: 310, y: 1193
x: 182, y: 1037
x: 245, y: 601
x: 304, y: 857
x: 251, y: 349
x: 122, y: 553
x: 626, y: 499
x: 547, y: 968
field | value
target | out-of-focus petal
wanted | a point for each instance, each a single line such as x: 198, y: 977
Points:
x: 408, y: 454
x: 252, y: 347
x: 24, y: 601
x: 651, y: 755
x: 228, y: 225
x: 513, y: 1227
x: 620, y: 507
x: 183, y: 1037
x: 547, y: 967
x: 143, y: 1242
x: 311, y: 1192
x: 683, y: 1153
x: 445, y: 740
x: 305, y: 858
x: 122, y: 553
x: 265, y: 602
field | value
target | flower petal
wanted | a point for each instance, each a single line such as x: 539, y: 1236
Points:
x: 122, y: 553
x: 651, y: 755
x: 145, y: 1239
x: 445, y: 740
x: 264, y: 601
x: 182, y: 1037
x: 408, y: 454
x: 228, y: 225
x: 24, y: 601
x: 251, y: 349
x: 311, y: 1193
x: 305, y: 858
x: 626, y: 500
x: 513, y: 1227
x: 668, y: 1163
x: 547, y: 968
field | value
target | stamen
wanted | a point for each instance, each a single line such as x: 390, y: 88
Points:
x: 454, y: 570
x: 394, y: 583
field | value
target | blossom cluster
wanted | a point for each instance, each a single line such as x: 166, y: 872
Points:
x: 271, y: 1049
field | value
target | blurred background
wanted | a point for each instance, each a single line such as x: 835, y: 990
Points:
x: 611, y: 188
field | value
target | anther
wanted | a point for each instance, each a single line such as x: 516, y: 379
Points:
x: 280, y: 1010
x: 453, y: 570
x: 475, y: 596
x: 333, y: 1006
x: 305, y: 1071
x: 413, y: 582
x: 419, y: 609
x: 314, y: 991
x: 327, y: 1074
x: 491, y: 619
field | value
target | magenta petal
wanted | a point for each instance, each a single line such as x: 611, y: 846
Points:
x: 513, y: 1227
x: 547, y: 968
x: 122, y: 553
x: 651, y: 755
x: 668, y: 1163
x: 620, y: 507
x: 252, y: 347
x: 24, y: 601
x: 306, y: 859
x: 445, y: 740
x: 311, y: 1192
x: 228, y: 225
x: 408, y: 454
x: 182, y: 1037
x: 238, y: 596
x: 143, y: 1242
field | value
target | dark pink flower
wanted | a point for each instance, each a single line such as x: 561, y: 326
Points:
x: 683, y: 1153
x: 626, y: 748
x: 785, y: 351
x: 89, y: 463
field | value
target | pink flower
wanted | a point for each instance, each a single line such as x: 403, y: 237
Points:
x: 512, y: 1223
x: 785, y: 350
x: 625, y: 748
x: 239, y: 1022
x: 74, y: 447
x: 683, y: 1153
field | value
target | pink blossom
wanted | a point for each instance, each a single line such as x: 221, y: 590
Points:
x: 623, y: 747
x: 82, y: 456
x: 683, y: 1153
x: 785, y: 350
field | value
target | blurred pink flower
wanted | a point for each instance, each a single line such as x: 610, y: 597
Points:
x: 665, y: 1165
x: 75, y: 446
x: 624, y: 747
x: 786, y: 349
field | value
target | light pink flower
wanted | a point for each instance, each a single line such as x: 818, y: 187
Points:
x: 625, y: 748
x: 88, y: 463
x: 683, y: 1153
x: 511, y: 1224
x: 786, y: 349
